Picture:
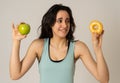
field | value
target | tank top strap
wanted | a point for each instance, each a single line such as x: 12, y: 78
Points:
x: 46, y: 42
x: 71, y: 47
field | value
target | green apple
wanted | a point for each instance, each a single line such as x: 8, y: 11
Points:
x: 24, y: 28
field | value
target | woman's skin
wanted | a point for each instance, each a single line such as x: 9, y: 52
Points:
x: 58, y: 45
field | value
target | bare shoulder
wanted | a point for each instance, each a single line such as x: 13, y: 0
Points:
x: 80, y: 44
x: 80, y: 48
x: 38, y: 45
x: 38, y: 42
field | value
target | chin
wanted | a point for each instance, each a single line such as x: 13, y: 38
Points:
x: 63, y: 36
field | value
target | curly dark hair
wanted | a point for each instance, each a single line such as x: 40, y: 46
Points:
x: 49, y: 19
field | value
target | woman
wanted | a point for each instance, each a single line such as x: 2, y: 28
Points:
x: 57, y: 51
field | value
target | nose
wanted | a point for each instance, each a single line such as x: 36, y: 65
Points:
x: 64, y: 24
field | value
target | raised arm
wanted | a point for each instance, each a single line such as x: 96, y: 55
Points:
x: 98, y: 68
x: 19, y: 67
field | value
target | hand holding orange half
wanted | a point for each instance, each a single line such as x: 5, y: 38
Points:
x: 96, y: 26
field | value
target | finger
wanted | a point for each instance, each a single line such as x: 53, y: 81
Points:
x: 16, y: 28
x: 95, y: 35
x: 23, y: 36
x: 101, y: 35
x: 13, y: 26
x: 103, y: 32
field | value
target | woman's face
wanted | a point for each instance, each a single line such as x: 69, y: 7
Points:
x: 62, y: 24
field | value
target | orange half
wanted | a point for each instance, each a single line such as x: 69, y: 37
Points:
x: 96, y: 26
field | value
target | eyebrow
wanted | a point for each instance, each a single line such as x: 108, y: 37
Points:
x: 62, y: 18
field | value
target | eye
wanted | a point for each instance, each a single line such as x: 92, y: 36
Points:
x: 59, y: 20
x: 67, y: 21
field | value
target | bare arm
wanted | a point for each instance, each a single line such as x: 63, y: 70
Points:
x: 97, y: 68
x: 19, y: 68
x: 102, y: 68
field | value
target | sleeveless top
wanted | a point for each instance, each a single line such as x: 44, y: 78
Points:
x: 56, y: 71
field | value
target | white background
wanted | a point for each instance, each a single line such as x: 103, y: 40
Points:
x: 31, y: 11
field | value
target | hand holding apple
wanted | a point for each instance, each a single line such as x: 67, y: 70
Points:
x: 24, y: 28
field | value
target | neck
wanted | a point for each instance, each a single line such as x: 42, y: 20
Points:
x: 58, y: 42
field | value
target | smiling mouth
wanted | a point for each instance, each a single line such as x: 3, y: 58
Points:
x: 63, y: 30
